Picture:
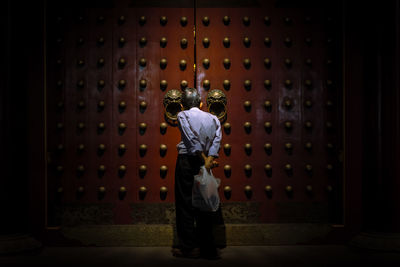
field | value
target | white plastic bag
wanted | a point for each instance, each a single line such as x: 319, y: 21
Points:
x: 205, y: 191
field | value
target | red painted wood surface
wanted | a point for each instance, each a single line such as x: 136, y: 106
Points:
x: 319, y: 51
x: 90, y: 28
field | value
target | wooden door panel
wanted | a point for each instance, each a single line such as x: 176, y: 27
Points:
x: 87, y: 41
x: 291, y: 57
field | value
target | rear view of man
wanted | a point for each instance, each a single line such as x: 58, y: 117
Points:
x: 200, y: 141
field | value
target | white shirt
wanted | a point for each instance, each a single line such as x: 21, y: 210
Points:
x: 200, y: 131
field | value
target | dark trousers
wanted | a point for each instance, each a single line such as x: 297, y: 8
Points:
x: 194, y: 227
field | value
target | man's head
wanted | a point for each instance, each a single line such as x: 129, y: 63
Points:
x: 191, y: 98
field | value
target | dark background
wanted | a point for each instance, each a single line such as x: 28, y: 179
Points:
x: 371, y: 124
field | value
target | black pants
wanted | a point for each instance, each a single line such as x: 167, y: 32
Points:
x: 194, y: 227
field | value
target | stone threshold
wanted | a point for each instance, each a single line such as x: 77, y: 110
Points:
x: 230, y: 235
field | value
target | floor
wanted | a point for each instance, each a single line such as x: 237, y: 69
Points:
x: 250, y: 256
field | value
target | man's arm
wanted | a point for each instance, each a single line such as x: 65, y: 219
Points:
x: 209, y: 161
x: 213, y: 151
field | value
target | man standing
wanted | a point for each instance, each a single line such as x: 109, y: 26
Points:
x: 200, y: 142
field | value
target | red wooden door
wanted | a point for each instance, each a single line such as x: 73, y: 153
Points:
x: 109, y: 68
x: 293, y: 77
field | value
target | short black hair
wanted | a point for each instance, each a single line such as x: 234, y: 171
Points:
x: 190, y: 98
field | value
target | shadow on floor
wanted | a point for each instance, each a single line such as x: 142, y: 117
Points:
x: 250, y: 256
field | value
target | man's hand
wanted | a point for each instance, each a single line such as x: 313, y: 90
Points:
x: 210, y: 163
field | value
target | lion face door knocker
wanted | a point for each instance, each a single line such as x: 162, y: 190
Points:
x: 172, y: 106
x: 216, y: 103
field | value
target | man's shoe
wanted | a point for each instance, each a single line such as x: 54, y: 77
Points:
x: 192, y: 254
x: 213, y: 254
